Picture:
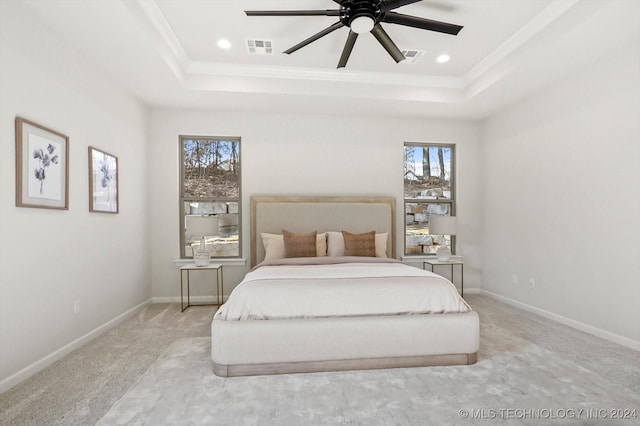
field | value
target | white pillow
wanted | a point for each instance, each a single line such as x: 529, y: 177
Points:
x: 335, y: 245
x: 274, y: 245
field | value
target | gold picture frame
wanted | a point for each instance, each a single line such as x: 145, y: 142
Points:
x: 42, y: 166
x: 103, y: 182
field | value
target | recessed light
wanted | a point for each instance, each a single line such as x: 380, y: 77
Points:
x: 442, y: 59
x: 224, y: 44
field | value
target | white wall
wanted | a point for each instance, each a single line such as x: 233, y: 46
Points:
x: 48, y: 258
x: 562, y: 184
x: 305, y: 155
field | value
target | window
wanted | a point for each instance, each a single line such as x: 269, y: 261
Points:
x: 210, y: 186
x: 429, y: 189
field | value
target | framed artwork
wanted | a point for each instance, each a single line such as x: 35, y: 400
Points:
x: 103, y: 181
x: 42, y: 166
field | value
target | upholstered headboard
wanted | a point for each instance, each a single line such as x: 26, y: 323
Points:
x: 272, y: 214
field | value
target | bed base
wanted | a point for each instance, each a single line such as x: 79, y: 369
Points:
x: 343, y: 365
x: 263, y: 347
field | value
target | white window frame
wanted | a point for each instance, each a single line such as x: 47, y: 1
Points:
x: 451, y: 201
x: 184, y: 199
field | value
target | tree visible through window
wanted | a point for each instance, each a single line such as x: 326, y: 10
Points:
x: 210, y: 186
x: 428, y: 190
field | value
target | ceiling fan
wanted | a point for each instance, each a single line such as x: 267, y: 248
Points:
x: 363, y: 16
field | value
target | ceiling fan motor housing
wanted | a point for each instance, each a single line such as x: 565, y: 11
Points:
x: 350, y: 10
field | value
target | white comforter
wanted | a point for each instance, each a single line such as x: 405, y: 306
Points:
x: 361, y: 287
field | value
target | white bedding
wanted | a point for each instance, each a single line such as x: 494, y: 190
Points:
x: 339, y: 287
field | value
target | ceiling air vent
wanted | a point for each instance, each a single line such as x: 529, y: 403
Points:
x: 260, y: 47
x: 412, y: 56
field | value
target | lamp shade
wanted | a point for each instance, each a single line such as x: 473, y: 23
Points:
x: 442, y: 225
x: 199, y: 226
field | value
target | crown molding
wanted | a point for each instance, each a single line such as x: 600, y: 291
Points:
x: 151, y: 20
x: 339, y: 75
x: 539, y: 22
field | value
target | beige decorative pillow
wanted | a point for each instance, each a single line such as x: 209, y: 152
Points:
x: 381, y: 244
x: 299, y: 245
x: 359, y: 244
x: 321, y: 244
x: 273, y: 246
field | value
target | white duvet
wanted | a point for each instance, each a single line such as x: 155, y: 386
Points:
x: 326, y: 287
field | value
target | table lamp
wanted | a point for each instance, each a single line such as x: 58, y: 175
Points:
x: 442, y: 225
x: 201, y: 226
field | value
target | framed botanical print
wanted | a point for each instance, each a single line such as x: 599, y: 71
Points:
x: 103, y: 181
x: 42, y: 166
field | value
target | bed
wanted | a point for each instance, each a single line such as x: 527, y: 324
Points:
x: 334, y: 313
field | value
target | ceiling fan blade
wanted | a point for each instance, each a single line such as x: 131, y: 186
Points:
x: 328, y: 12
x: 348, y: 47
x: 315, y: 37
x: 394, y: 4
x: 422, y: 23
x: 387, y: 43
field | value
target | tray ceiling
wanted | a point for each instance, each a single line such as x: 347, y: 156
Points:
x: 165, y: 52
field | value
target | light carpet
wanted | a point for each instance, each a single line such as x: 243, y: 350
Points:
x: 514, y: 382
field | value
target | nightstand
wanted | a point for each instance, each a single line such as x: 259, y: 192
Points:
x: 433, y: 263
x: 186, y: 270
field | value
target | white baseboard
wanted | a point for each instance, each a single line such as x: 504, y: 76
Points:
x: 603, y: 334
x: 194, y: 299
x: 42, y: 363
